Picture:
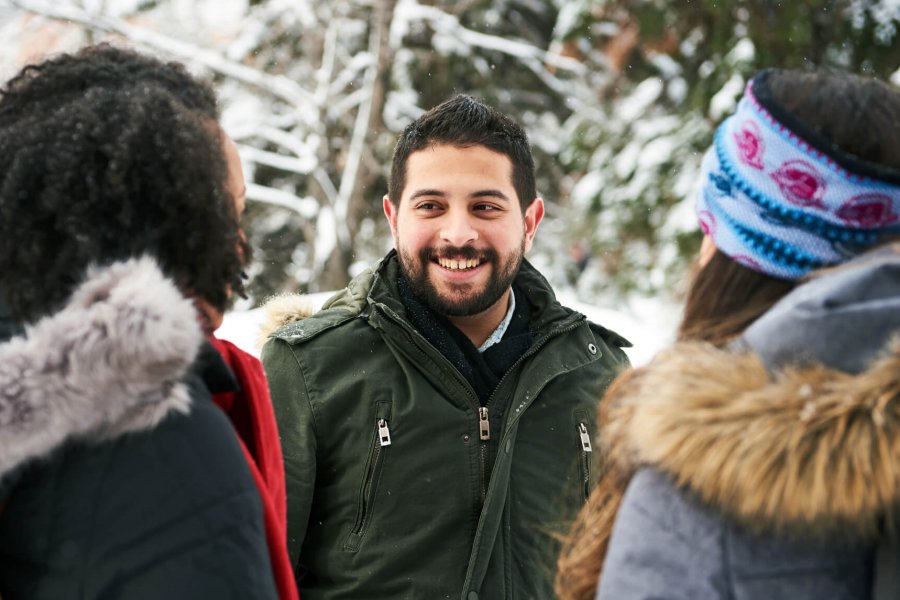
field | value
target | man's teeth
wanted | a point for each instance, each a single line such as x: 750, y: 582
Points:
x: 456, y: 265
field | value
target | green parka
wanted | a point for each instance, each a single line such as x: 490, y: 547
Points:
x: 392, y: 493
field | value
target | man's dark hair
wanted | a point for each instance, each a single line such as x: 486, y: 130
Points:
x: 108, y: 154
x: 464, y: 121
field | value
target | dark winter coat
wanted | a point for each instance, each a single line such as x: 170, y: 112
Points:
x: 120, y: 478
x: 420, y: 517
x: 764, y: 483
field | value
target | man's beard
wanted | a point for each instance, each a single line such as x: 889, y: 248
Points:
x: 467, y: 300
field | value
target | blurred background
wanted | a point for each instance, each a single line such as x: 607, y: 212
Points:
x: 619, y: 98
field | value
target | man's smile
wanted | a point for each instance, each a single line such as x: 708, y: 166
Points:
x: 459, y: 264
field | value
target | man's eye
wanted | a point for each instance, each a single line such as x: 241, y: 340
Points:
x: 426, y: 206
x: 486, y: 207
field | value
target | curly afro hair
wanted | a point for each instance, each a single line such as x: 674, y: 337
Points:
x: 107, y: 154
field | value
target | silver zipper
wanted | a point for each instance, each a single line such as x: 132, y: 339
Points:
x: 585, y: 438
x: 384, y: 434
x: 484, y: 425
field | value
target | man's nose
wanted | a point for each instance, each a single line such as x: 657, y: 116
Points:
x: 458, y: 229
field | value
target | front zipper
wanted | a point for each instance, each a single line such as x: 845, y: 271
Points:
x: 484, y: 435
x: 373, y: 465
x: 484, y: 424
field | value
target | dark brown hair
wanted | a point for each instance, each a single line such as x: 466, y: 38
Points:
x: 464, y: 121
x: 725, y: 297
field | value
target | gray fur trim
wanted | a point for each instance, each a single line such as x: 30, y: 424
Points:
x: 108, y: 363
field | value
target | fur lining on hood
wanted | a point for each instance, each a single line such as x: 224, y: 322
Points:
x: 806, y: 449
x: 109, y: 362
x: 283, y: 310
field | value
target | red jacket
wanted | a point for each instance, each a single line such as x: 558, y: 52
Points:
x: 250, y: 411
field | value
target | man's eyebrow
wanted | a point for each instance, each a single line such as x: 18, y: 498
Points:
x: 491, y: 194
x: 420, y: 193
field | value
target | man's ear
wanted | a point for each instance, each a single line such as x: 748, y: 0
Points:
x: 390, y: 212
x: 533, y: 215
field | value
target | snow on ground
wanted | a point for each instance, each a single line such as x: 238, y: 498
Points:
x: 647, y: 323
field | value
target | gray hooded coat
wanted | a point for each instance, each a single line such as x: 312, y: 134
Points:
x: 119, y: 477
x: 766, y: 474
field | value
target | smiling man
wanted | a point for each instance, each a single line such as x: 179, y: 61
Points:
x: 437, y: 415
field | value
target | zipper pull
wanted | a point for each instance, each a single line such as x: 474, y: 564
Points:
x: 484, y: 425
x: 384, y: 434
x: 585, y: 438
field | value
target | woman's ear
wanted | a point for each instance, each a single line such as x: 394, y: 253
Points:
x: 707, y: 251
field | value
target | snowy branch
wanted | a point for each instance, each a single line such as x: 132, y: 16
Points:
x: 278, y: 86
x: 449, y: 25
x: 357, y: 145
x: 305, y: 207
x: 291, y: 164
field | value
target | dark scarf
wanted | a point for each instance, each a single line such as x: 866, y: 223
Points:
x: 483, y: 370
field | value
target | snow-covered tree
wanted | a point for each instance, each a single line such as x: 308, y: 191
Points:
x: 619, y: 98
x: 666, y: 73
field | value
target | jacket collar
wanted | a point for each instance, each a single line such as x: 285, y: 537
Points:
x: 378, y: 287
x: 546, y: 311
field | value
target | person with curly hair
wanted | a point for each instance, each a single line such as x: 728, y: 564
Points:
x: 758, y: 457
x: 120, y: 245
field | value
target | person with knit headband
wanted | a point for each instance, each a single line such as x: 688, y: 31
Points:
x: 759, y: 456
x: 782, y: 200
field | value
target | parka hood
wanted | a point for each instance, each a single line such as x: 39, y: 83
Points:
x: 806, y: 446
x: 287, y: 309
x: 109, y: 362
x: 282, y: 310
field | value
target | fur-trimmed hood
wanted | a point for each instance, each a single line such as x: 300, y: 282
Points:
x: 808, y: 444
x: 809, y: 448
x: 283, y: 310
x: 109, y: 362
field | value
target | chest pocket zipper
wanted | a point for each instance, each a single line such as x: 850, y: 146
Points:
x: 371, y: 475
x: 584, y: 443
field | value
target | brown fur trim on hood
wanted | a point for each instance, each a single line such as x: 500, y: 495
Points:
x: 805, y: 449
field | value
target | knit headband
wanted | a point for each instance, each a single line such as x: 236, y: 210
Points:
x: 781, y: 206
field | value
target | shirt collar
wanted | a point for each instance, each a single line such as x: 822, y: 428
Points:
x: 497, y: 335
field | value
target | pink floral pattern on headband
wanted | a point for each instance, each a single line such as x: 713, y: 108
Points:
x: 750, y: 144
x: 868, y: 210
x: 800, y: 183
x: 707, y: 222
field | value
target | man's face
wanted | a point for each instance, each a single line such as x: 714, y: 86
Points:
x: 459, y: 230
